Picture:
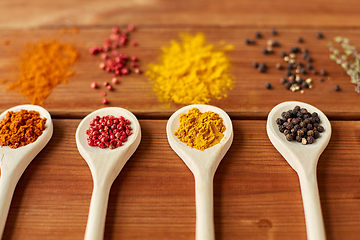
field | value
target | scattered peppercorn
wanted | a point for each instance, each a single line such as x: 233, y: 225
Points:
x: 275, y: 44
x: 105, y: 101
x: 279, y: 66
x: 273, y: 32
x: 300, y: 125
x: 268, y: 85
x: 300, y: 40
x: 94, y: 85
x: 262, y: 67
x: 319, y: 35
x: 258, y: 35
x: 249, y: 41
x: 336, y: 88
x: 255, y: 64
x: 323, y: 72
x: 321, y: 79
x: 108, y: 131
x: 115, y: 62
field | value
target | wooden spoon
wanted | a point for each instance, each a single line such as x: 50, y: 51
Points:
x: 303, y: 159
x: 13, y: 162
x: 105, y: 165
x: 203, y: 165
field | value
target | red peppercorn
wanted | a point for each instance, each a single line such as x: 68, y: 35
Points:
x: 137, y: 70
x: 131, y: 27
x: 114, y: 80
x: 103, y: 93
x: 109, y: 87
x: 105, y: 101
x: 134, y: 58
x: 124, y: 71
x: 133, y: 43
x: 94, y: 85
x: 102, y: 65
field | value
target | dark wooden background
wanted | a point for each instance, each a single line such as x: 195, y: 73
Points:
x: 256, y: 193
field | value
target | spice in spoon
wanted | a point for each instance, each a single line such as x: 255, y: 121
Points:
x: 200, y: 130
x: 108, y: 131
x: 21, y: 128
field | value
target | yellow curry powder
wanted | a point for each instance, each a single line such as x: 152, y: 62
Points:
x: 191, y: 72
x: 43, y: 66
x: 21, y: 128
x: 200, y: 130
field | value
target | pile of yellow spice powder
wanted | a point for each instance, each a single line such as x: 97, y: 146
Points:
x: 42, y: 67
x: 191, y: 72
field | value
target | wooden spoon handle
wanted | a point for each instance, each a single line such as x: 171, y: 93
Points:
x: 313, y: 216
x: 8, y: 181
x: 204, y: 207
x: 97, y: 213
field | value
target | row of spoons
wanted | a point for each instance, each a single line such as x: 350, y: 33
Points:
x: 106, y: 164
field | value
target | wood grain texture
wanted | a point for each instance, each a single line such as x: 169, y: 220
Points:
x: 20, y: 13
x: 256, y: 193
x: 249, y: 98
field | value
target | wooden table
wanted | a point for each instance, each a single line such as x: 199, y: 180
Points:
x: 256, y: 193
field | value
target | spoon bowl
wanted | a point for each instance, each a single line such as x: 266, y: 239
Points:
x: 303, y: 159
x: 105, y: 165
x: 13, y: 162
x: 203, y: 165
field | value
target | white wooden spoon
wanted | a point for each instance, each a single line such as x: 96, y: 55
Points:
x: 203, y: 165
x: 303, y: 159
x: 13, y: 162
x: 105, y: 165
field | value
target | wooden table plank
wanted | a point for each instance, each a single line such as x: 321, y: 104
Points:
x: 256, y: 193
x: 23, y: 14
x: 248, y: 100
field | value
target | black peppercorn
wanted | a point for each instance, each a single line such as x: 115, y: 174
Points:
x: 310, y: 133
x: 298, y: 138
x: 287, y: 85
x: 249, y: 42
x: 288, y: 73
x: 319, y: 35
x: 258, y: 35
x: 279, y: 121
x: 316, y: 134
x: 294, y: 50
x: 300, y: 40
x: 321, y: 79
x: 268, y: 85
x: 273, y: 32
x: 310, y: 139
x: 309, y: 126
x: 300, y: 132
x: 275, y: 44
x: 282, y: 80
x: 255, y: 64
x: 286, y: 132
x: 297, y: 108
x: 283, y: 54
x: 323, y: 72
x: 320, y: 129
x: 309, y: 66
x: 336, y: 88
x: 282, y: 128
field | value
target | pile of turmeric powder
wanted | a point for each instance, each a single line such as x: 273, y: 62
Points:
x: 43, y: 66
x: 191, y: 72
x: 200, y: 130
x: 21, y: 128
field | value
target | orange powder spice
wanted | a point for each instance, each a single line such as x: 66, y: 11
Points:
x: 21, y: 128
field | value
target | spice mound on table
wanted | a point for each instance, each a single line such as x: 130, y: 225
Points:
x: 200, y: 130
x: 108, y: 131
x: 300, y: 125
x: 191, y: 72
x: 21, y: 128
x: 42, y: 67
